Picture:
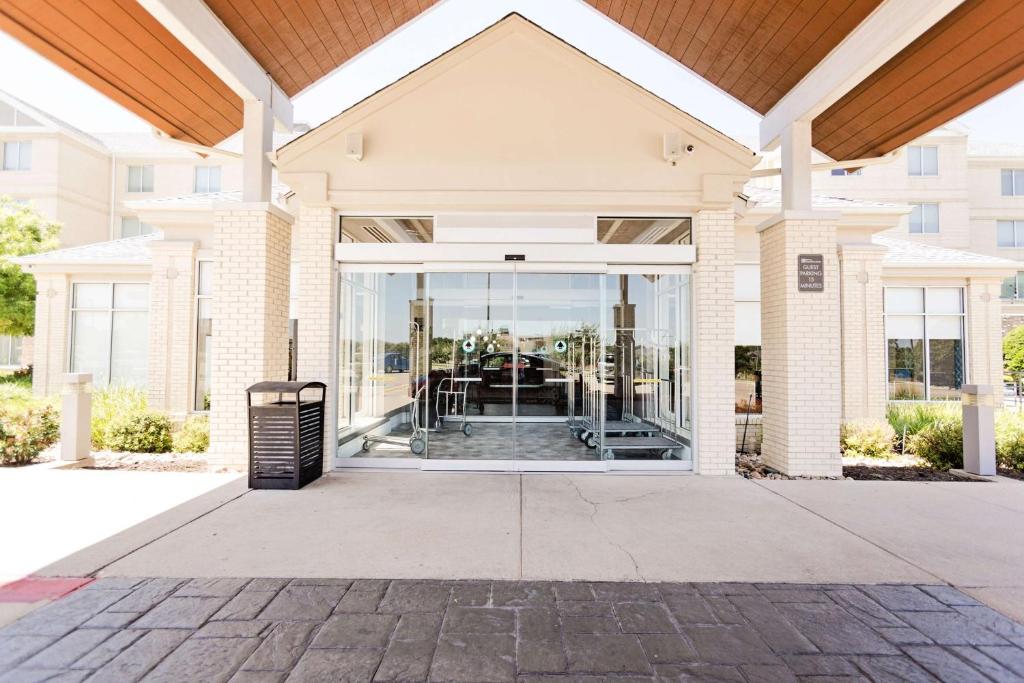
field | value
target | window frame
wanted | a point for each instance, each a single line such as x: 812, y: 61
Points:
x: 923, y: 231
x: 919, y: 150
x: 21, y: 164
x: 926, y: 354
x: 110, y: 310
x: 208, y: 172
x: 142, y: 186
x: 1015, y: 225
x: 10, y: 351
x: 1015, y: 191
x: 144, y: 228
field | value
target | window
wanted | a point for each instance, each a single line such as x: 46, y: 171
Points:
x: 10, y: 351
x: 922, y: 160
x: 924, y: 219
x: 131, y: 226
x: 1012, y: 181
x: 204, y: 335
x: 1013, y: 286
x: 1010, y: 233
x: 18, y: 156
x: 207, y: 179
x: 110, y: 331
x: 924, y: 329
x: 846, y: 171
x: 140, y: 178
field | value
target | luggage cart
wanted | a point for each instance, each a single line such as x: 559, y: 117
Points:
x: 450, y: 399
x: 417, y: 442
x: 592, y: 392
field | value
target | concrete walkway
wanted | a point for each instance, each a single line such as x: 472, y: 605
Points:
x: 422, y: 525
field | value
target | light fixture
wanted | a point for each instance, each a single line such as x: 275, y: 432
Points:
x: 354, y: 146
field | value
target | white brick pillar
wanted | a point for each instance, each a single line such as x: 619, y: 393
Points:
x: 862, y: 344
x: 714, y: 277
x: 984, y: 331
x: 317, y: 235
x: 172, y: 305
x: 50, y: 348
x: 800, y: 341
x: 250, y: 317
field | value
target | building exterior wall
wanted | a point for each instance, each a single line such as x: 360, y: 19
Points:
x: 50, y: 343
x: 172, y: 307
x: 863, y: 331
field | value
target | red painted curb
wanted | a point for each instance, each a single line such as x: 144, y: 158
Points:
x: 36, y: 588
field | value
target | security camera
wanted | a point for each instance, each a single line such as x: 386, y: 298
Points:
x: 689, y: 149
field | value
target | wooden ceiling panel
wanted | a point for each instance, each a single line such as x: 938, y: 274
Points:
x: 973, y: 54
x: 121, y: 50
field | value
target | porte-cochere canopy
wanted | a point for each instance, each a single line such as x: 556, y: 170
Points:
x: 952, y: 55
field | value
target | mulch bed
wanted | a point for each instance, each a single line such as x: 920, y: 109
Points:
x: 1012, y: 474
x: 908, y: 473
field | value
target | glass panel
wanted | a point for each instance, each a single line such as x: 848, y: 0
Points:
x: 1018, y: 181
x: 914, y: 160
x: 558, y: 328
x: 132, y: 296
x: 645, y: 371
x: 205, y: 285
x: 1006, y: 182
x: 92, y: 295
x: 929, y: 161
x: 1004, y: 234
x: 906, y: 369
x: 204, y: 353
x: 916, y: 225
x: 1020, y: 283
x: 10, y: 156
x: 930, y: 217
x: 25, y: 156
x: 945, y: 357
x: 748, y: 379
x: 90, y: 347
x: 214, y: 180
x: 472, y: 365
x: 129, y: 226
x: 904, y: 300
x: 380, y: 369
x: 1009, y: 288
x: 644, y: 230
x: 944, y: 300
x: 904, y: 326
x: 147, y: 178
x: 134, y: 178
x: 129, y: 348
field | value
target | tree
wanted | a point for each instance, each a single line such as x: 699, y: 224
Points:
x: 1013, y: 351
x: 23, y: 231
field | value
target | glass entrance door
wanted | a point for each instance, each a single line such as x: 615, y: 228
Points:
x: 502, y: 367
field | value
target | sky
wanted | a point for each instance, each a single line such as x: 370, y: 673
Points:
x: 32, y: 78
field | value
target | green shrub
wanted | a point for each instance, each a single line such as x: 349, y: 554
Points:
x: 143, y: 431
x: 194, y: 435
x: 907, y: 419
x: 941, y: 444
x: 867, y: 439
x: 113, y: 403
x: 1010, y: 439
x: 25, y: 434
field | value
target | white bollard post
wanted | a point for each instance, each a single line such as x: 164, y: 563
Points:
x: 76, y: 417
x: 978, y: 401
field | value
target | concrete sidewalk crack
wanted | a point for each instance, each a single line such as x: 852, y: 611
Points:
x: 594, y: 507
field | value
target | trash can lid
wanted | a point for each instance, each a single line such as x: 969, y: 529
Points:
x: 283, y: 387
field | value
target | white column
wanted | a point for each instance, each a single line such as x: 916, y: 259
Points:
x: 257, y: 143
x: 796, y: 166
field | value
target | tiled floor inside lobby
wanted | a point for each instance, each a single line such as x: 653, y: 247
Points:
x: 480, y: 631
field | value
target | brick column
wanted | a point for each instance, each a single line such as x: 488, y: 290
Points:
x: 862, y: 344
x: 715, y: 324
x: 250, y: 317
x: 172, y: 305
x: 800, y: 355
x: 317, y: 235
x: 50, y: 348
x: 984, y: 331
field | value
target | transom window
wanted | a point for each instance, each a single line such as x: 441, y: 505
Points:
x: 18, y: 156
x: 922, y: 160
x: 207, y: 179
x: 924, y: 329
x: 110, y: 331
x: 924, y: 219
x: 140, y: 178
x: 1010, y: 233
x: 1012, y: 182
x: 131, y: 226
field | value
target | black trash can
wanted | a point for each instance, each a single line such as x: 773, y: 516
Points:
x: 286, y: 435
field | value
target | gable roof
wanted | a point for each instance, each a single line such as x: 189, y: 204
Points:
x: 507, y: 22
x: 48, y: 120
